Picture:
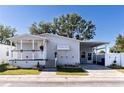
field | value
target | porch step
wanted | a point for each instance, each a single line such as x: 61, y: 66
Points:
x: 50, y: 64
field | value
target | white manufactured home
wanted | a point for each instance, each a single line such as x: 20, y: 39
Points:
x: 50, y: 50
x: 5, y: 53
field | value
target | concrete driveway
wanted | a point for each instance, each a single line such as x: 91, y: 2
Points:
x: 101, y: 71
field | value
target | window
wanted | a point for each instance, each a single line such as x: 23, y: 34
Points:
x: 89, y: 56
x: 83, y: 55
x: 7, y: 53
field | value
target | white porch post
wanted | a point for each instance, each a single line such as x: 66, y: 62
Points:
x: 45, y: 49
x: 11, y: 50
x: 16, y: 52
x: 33, y: 49
x: 21, y: 48
x: 21, y: 44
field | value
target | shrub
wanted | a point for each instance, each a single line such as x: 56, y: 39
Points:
x: 6, y: 66
x: 38, y: 65
x: 69, y: 69
x: 115, y: 66
x: 3, y: 67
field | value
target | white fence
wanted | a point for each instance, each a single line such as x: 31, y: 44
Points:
x: 111, y: 57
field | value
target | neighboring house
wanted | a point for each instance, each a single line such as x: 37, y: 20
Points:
x: 51, y: 50
x: 5, y: 53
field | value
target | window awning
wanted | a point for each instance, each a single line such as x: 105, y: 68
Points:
x: 63, y: 47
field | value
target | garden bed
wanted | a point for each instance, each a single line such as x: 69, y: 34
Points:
x: 71, y: 71
x: 115, y: 66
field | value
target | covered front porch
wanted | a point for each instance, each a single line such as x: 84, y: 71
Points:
x: 30, y: 50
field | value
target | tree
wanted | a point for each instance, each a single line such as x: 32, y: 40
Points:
x: 70, y: 25
x: 40, y: 28
x: 6, y: 32
x: 119, y: 44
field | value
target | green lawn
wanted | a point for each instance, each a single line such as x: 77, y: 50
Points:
x: 71, y: 71
x: 121, y: 70
x: 20, y: 72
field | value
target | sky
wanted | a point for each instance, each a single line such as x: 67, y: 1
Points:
x: 109, y: 20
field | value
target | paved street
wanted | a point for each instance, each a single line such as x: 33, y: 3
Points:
x: 62, y: 84
x: 99, y: 76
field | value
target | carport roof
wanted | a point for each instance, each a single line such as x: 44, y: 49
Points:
x: 92, y: 43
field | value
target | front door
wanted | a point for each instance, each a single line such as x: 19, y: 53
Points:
x: 83, y: 59
x: 89, y: 57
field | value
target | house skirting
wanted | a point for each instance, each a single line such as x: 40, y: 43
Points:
x: 27, y: 63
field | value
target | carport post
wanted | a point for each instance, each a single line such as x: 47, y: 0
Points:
x: 96, y: 55
x: 11, y: 49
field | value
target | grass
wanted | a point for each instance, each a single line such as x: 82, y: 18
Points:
x: 20, y: 72
x: 120, y: 70
x: 71, y: 71
x: 6, y: 69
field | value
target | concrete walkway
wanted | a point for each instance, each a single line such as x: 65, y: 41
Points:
x: 101, y: 71
x: 49, y: 72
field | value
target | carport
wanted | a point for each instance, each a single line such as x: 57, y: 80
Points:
x: 88, y: 49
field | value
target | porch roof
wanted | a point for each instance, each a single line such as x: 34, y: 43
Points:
x: 26, y: 37
x: 92, y: 43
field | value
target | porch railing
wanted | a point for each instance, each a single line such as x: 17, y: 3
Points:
x: 26, y: 54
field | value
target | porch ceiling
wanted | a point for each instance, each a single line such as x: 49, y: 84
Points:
x: 93, y: 44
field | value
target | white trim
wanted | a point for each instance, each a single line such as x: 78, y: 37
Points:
x: 32, y: 44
